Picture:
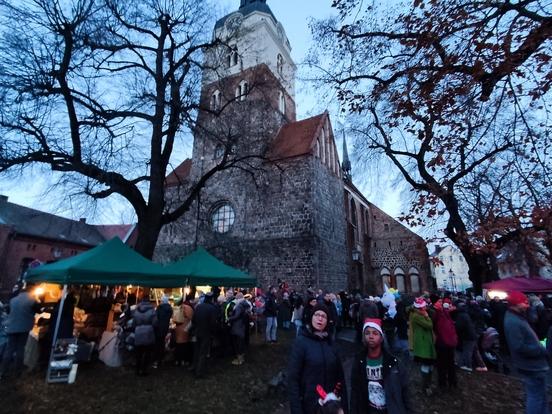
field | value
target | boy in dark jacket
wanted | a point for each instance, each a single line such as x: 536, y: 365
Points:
x: 379, y: 381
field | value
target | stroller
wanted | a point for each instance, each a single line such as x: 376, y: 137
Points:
x: 490, y: 350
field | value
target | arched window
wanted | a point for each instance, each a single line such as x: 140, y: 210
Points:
x: 215, y: 100
x: 385, y: 277
x: 233, y: 57
x: 414, y: 280
x: 241, y: 90
x: 353, y: 213
x: 280, y: 64
x: 399, y: 279
x: 282, y: 102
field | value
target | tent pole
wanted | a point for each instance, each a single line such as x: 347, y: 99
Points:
x: 56, y: 330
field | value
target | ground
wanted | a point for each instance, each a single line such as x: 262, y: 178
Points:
x: 227, y: 389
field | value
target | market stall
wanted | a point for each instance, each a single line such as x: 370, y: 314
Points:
x: 200, y: 268
x: 109, y: 264
x: 500, y: 288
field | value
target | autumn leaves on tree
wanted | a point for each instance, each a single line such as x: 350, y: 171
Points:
x: 455, y: 94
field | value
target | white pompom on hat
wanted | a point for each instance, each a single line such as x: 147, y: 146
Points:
x: 420, y: 303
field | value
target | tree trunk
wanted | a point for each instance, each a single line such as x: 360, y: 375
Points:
x: 149, y: 228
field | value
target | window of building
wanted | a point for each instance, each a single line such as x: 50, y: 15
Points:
x: 282, y: 102
x: 242, y: 90
x: 414, y: 279
x: 215, y: 100
x: 233, y: 57
x: 399, y: 280
x: 222, y: 218
x: 280, y: 64
x: 385, y: 277
x: 386, y: 227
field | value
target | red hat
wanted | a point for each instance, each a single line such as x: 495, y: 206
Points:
x: 515, y: 298
x: 372, y: 323
x: 420, y: 303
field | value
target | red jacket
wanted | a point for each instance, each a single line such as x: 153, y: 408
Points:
x: 443, y: 325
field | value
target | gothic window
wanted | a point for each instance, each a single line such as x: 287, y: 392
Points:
x: 280, y: 64
x: 233, y: 57
x: 385, y: 277
x: 282, y: 102
x: 215, y: 100
x: 414, y: 279
x: 222, y: 218
x: 241, y: 90
x: 354, y: 220
x: 399, y: 280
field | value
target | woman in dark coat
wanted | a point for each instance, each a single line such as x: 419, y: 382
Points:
x: 313, y: 361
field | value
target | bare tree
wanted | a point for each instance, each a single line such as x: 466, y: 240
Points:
x: 454, y: 94
x: 102, y: 91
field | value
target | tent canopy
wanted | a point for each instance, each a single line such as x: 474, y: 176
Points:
x: 520, y: 283
x: 110, y: 263
x: 201, y: 268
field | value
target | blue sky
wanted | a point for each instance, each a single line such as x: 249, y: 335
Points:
x: 34, y: 191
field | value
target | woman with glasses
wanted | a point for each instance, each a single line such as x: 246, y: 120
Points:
x: 314, y: 361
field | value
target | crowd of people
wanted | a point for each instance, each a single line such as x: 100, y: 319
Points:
x: 439, y: 331
x: 442, y: 332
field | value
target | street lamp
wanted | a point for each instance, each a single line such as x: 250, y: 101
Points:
x: 356, y: 255
x: 452, y: 280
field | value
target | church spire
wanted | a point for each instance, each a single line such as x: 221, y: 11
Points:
x: 346, y: 165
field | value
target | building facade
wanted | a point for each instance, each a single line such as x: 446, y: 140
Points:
x: 29, y: 237
x: 450, y: 269
x: 288, y: 209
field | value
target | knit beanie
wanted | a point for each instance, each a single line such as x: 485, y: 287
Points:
x: 515, y: 298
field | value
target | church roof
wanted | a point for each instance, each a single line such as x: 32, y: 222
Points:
x: 179, y: 174
x: 247, y: 7
x: 296, y: 138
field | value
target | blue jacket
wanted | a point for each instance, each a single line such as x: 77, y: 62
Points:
x: 313, y: 361
x: 528, y: 355
x: 23, y: 308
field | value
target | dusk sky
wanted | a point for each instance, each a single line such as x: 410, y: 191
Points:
x: 34, y: 190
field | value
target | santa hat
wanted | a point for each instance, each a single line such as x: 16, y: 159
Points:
x: 326, y: 397
x: 372, y: 323
x: 420, y: 303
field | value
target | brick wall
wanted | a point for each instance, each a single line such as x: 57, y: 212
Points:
x: 16, y: 251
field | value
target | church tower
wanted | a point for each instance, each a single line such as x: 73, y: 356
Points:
x: 254, y: 48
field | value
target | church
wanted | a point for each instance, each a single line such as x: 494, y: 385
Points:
x: 278, y: 203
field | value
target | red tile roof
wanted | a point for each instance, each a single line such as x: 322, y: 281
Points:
x: 296, y: 138
x: 179, y: 174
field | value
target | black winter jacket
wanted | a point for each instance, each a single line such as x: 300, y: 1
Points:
x: 465, y: 328
x: 164, y: 313
x: 204, y: 321
x: 313, y: 361
x: 395, y: 384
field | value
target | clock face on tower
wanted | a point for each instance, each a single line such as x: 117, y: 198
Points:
x: 234, y: 23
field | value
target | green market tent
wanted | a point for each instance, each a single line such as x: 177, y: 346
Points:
x: 110, y: 263
x: 200, y: 268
